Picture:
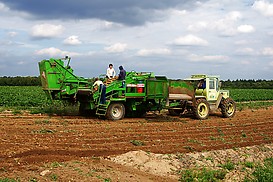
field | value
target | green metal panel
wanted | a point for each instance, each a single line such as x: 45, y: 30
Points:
x: 58, y: 81
x: 157, y: 88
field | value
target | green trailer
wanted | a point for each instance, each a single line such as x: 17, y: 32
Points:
x: 139, y: 93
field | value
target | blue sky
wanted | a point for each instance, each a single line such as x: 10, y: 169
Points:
x: 175, y: 38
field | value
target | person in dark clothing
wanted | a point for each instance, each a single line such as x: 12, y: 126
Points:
x: 121, y: 76
x: 122, y: 73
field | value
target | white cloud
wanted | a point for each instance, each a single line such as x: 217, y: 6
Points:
x: 116, y: 48
x: 99, y: 25
x: 245, y: 29
x: 149, y: 52
x: 264, y: 7
x: 197, y: 26
x: 21, y: 62
x: 241, y: 42
x: 72, y: 40
x: 3, y: 7
x: 190, y: 40
x: 55, y: 52
x: 208, y: 58
x: 267, y: 51
x: 246, y: 51
x: 271, y: 63
x: 245, y: 62
x: 176, y: 12
x: 226, y: 25
x: 234, y: 16
x: 46, y: 30
x: 107, y: 25
x: 12, y: 34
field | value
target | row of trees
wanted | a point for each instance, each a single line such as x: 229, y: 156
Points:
x: 250, y: 84
x: 36, y: 81
x: 20, y: 81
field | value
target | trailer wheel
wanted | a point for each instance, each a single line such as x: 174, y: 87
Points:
x: 201, y: 110
x: 228, y: 108
x: 115, y: 111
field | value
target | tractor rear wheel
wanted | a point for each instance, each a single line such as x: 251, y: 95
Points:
x: 115, y: 111
x: 201, y: 109
x: 228, y: 108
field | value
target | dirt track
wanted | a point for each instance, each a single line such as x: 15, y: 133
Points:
x: 34, y: 140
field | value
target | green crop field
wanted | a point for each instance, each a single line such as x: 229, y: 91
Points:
x: 32, y: 98
x: 241, y: 95
x: 24, y: 96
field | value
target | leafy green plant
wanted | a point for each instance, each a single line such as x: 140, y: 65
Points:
x: 7, y: 180
x: 219, y: 130
x: 194, y: 141
x: 209, y: 159
x: 33, y: 180
x: 228, y: 165
x: 54, y: 177
x: 16, y: 112
x: 137, y: 142
x: 249, y: 164
x: 107, y: 179
x: 262, y: 172
x: 191, y: 149
x: 43, y: 131
x: 244, y: 135
x: 202, y: 175
x: 42, y: 122
x: 55, y: 164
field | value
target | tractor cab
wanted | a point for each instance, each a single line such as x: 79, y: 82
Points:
x: 208, y: 86
x: 209, y: 96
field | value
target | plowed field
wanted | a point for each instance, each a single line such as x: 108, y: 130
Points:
x: 31, y: 141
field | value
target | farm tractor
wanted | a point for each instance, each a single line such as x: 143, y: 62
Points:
x: 207, y: 97
x: 139, y: 93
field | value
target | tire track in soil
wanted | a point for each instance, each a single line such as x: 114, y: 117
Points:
x: 74, y: 137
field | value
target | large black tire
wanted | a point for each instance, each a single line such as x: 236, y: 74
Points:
x: 115, y: 111
x: 201, y: 109
x: 228, y: 108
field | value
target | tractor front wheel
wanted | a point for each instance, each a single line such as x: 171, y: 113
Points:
x: 228, y: 108
x: 201, y: 109
x: 115, y: 111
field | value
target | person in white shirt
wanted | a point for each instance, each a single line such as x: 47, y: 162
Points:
x: 110, y: 73
x: 98, y: 85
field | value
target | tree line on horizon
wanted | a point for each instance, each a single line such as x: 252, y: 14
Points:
x: 239, y: 83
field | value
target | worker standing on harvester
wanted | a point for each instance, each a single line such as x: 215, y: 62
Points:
x: 98, y: 85
x: 110, y: 72
x: 122, y: 73
x: 121, y: 76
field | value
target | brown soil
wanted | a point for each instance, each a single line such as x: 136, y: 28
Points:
x: 73, y: 148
